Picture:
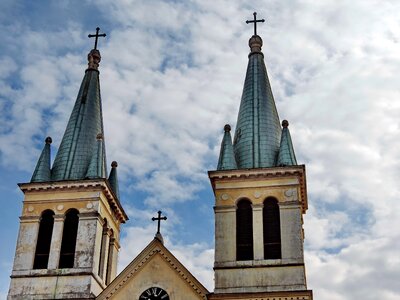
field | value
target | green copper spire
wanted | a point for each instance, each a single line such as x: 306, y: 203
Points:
x: 86, y: 121
x: 113, y: 178
x: 258, y: 131
x: 42, y: 170
x: 286, y: 156
x: 226, y: 156
x: 97, y: 168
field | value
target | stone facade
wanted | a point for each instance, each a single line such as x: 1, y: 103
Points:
x: 95, y: 202
x: 233, y: 277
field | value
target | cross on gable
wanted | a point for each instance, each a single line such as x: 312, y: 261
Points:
x: 255, y: 21
x: 96, y: 36
x: 159, y: 218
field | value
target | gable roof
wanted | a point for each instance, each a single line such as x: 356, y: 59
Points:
x: 153, y: 249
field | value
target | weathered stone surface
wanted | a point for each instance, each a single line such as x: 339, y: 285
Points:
x: 287, y: 186
x: 92, y: 199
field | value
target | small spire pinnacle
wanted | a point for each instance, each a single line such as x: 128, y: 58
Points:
x: 286, y: 155
x: 113, y: 178
x: 42, y: 171
x: 96, y: 167
x: 226, y: 159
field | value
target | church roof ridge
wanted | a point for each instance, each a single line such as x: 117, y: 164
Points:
x: 153, y: 248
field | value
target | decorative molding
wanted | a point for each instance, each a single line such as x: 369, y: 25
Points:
x: 75, y: 185
x: 29, y: 219
x: 264, y: 173
x: 225, y: 208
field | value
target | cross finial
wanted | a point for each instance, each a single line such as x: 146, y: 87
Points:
x: 96, y: 36
x: 159, y: 218
x: 255, y: 21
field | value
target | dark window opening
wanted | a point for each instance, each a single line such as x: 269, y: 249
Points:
x: 271, y: 229
x: 244, y: 231
x: 68, y: 243
x: 102, y: 248
x: 110, y: 259
x: 44, y: 240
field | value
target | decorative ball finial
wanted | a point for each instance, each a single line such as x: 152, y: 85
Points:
x: 114, y: 164
x: 94, y: 59
x: 255, y: 44
x: 48, y: 140
x: 99, y: 136
x: 227, y: 128
x: 285, y: 124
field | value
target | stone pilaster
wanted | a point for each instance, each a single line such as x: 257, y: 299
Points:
x: 26, y: 243
x: 112, y: 260
x: 258, y: 237
x: 225, y: 237
x: 291, y: 231
x: 104, y: 255
x: 86, y: 239
x: 56, y: 239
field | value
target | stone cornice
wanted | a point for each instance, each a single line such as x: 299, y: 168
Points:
x: 295, y: 295
x: 264, y: 173
x: 74, y: 185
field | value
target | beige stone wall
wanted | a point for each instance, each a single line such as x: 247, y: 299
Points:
x: 157, y: 273
x: 287, y: 185
x: 91, y: 199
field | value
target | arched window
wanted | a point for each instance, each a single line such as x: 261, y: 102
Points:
x: 68, y: 243
x: 44, y: 240
x: 244, y: 230
x: 271, y: 229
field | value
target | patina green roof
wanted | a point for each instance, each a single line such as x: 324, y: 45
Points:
x: 286, y: 156
x: 97, y: 168
x: 113, y: 178
x: 226, y: 156
x: 79, y: 144
x: 42, y: 171
x: 258, y: 131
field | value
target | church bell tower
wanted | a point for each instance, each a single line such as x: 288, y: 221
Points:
x: 68, y: 241
x: 260, y: 198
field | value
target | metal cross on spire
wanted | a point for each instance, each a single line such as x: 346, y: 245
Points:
x: 96, y: 36
x: 159, y: 218
x: 255, y: 21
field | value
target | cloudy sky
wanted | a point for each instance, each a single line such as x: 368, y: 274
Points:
x: 172, y: 74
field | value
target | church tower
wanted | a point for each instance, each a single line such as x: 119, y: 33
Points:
x: 260, y: 198
x: 68, y: 240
